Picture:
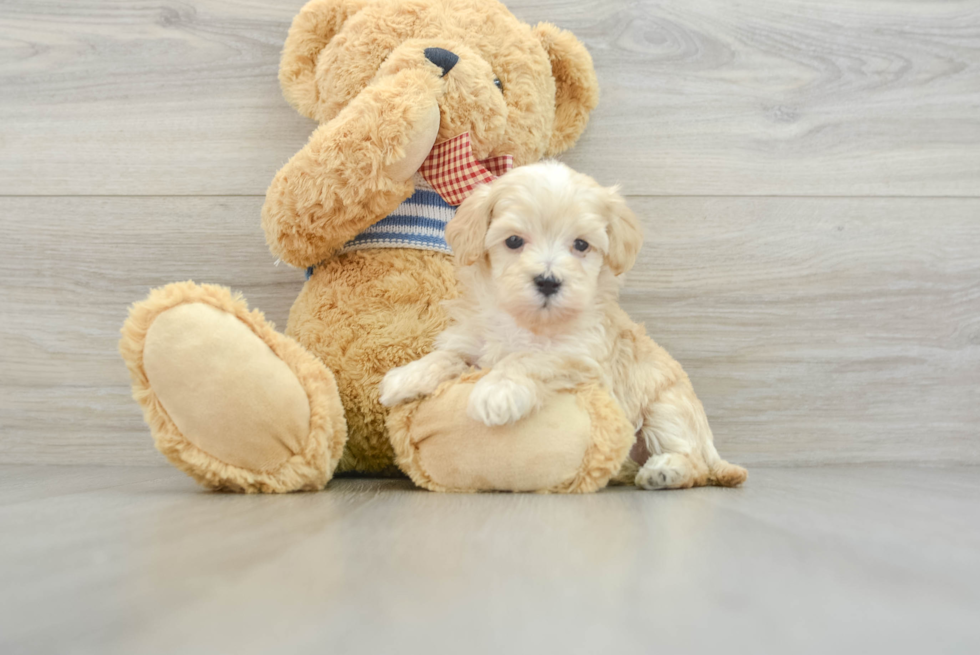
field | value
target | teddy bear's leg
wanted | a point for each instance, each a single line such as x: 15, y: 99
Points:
x: 575, y: 443
x: 230, y: 401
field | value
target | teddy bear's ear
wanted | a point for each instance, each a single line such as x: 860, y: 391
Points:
x: 576, y: 87
x: 317, y: 22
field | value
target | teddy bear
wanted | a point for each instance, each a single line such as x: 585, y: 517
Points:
x: 240, y: 406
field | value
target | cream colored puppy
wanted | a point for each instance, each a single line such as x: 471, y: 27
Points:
x: 540, y: 253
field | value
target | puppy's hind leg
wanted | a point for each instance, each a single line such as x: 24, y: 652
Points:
x: 677, y: 434
x: 722, y: 473
x: 672, y: 471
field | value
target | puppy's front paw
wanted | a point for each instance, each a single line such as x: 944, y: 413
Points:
x: 404, y: 383
x: 498, y: 401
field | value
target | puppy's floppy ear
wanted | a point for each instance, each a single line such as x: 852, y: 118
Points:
x: 576, y: 86
x: 624, y: 231
x: 312, y: 29
x: 467, y: 232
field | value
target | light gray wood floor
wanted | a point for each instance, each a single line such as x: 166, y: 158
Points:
x: 814, y: 560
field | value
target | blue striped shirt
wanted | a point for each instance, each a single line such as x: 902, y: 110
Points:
x: 419, y: 222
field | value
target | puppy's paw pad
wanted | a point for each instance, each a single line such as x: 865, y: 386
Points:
x: 499, y: 402
x: 662, y: 477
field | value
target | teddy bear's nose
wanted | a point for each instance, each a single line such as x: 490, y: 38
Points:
x: 442, y: 58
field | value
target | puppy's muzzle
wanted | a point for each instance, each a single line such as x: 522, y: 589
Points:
x: 548, y: 285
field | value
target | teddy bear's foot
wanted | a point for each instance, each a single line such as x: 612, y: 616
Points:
x: 575, y: 443
x: 230, y: 401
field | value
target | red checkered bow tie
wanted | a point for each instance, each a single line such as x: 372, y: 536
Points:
x: 454, y: 172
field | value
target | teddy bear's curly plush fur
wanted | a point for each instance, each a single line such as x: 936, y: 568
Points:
x: 216, y: 400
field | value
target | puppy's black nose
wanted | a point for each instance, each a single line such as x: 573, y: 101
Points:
x: 547, y: 285
x: 442, y: 58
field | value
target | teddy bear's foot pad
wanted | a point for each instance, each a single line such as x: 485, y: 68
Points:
x: 224, y: 388
x: 574, y: 444
x: 230, y: 401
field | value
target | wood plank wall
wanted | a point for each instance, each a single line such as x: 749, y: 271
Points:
x: 808, y: 173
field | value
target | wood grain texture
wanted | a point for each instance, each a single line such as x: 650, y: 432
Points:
x: 817, y: 560
x: 816, y: 330
x: 71, y: 267
x: 821, y: 330
x: 705, y: 97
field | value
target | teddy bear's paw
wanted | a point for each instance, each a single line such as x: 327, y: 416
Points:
x: 666, y: 471
x: 497, y: 400
x: 230, y: 401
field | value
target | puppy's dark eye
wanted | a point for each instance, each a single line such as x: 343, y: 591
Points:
x: 514, y: 242
x: 497, y: 83
x: 581, y: 245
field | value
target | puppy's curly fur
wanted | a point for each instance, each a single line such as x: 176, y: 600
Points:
x: 540, y: 255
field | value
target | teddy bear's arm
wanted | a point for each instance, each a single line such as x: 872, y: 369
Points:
x: 355, y: 169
